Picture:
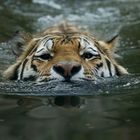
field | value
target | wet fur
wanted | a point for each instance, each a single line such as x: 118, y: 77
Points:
x: 65, y: 42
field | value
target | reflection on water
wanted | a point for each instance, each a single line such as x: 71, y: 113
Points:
x: 79, y: 111
x: 91, y: 117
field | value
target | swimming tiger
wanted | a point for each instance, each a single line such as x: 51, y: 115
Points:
x: 65, y: 53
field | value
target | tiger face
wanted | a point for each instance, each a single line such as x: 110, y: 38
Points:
x: 64, y: 53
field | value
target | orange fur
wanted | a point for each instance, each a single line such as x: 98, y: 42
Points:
x: 65, y: 48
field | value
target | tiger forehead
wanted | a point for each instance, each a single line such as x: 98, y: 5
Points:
x: 66, y: 42
x: 69, y: 38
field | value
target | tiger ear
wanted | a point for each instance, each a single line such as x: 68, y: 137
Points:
x: 19, y: 42
x: 110, y: 44
x: 11, y: 73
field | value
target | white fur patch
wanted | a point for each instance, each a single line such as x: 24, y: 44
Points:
x: 87, y: 45
x: 27, y: 71
x: 45, y: 46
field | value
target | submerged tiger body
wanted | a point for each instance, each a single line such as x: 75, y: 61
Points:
x: 65, y: 53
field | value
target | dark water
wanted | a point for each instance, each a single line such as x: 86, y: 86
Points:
x: 76, y: 111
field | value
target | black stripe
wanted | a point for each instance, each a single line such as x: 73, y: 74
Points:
x: 86, y: 41
x: 102, y: 74
x: 117, y: 71
x: 32, y: 51
x: 89, y: 44
x: 98, y: 66
x: 47, y: 42
x: 40, y: 50
x: 30, y: 78
x: 15, y: 75
x: 34, y: 67
x: 93, y: 50
x: 99, y: 48
x: 72, y: 42
x: 109, y: 66
x: 23, y: 66
x: 96, y: 57
x: 112, y: 39
x: 63, y: 41
x: 101, y: 51
x: 79, y: 45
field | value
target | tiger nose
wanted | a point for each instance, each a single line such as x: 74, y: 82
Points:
x: 67, y: 70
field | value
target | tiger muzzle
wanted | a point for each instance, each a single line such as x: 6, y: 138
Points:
x: 67, y: 69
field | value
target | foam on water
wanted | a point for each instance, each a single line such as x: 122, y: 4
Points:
x: 101, y: 15
x: 48, y: 3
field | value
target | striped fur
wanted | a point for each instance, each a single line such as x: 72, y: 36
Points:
x: 64, y: 52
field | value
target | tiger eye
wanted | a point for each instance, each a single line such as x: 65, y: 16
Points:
x: 87, y: 55
x: 45, y: 56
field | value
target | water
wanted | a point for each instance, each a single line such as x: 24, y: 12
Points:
x: 89, y: 110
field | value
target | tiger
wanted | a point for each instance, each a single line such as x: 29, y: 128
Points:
x: 64, y: 52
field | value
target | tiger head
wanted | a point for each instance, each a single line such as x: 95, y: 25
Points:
x: 65, y: 53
